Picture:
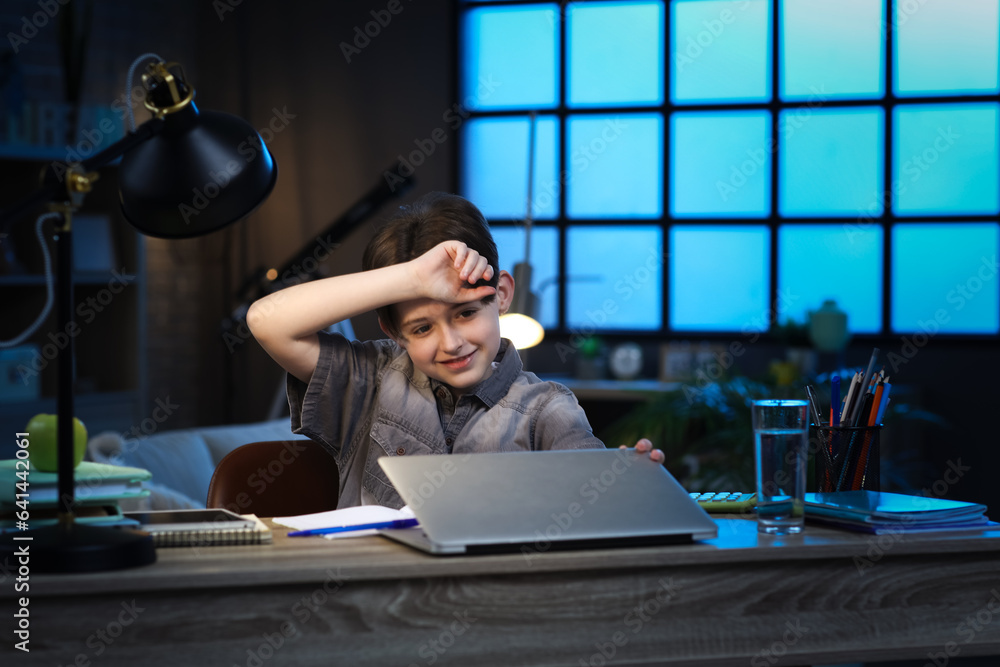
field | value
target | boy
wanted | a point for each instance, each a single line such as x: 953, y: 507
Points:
x: 444, y: 382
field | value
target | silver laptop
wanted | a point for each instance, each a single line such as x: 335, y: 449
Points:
x: 533, y: 502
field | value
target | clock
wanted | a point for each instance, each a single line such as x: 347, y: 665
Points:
x: 626, y: 361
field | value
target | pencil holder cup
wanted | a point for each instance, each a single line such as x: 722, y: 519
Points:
x: 846, y: 458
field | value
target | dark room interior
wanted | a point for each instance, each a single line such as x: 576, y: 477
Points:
x: 362, y: 106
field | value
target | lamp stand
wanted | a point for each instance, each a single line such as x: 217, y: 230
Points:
x: 68, y: 546
x: 163, y: 163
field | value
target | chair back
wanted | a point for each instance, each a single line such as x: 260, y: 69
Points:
x: 276, y: 478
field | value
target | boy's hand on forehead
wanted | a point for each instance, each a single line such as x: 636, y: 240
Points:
x: 448, y: 271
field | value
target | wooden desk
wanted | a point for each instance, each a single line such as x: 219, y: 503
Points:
x: 739, y: 599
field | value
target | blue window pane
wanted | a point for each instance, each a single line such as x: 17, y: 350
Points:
x: 720, y: 50
x: 832, y: 49
x: 510, y: 57
x: 614, y: 278
x: 843, y: 263
x: 495, y: 167
x: 544, y: 265
x: 944, y: 278
x: 945, y: 159
x: 616, y: 166
x: 831, y: 161
x: 615, y: 53
x: 720, y: 164
x: 719, y: 278
x: 946, y: 47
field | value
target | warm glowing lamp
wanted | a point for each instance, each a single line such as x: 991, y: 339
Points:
x: 520, y: 324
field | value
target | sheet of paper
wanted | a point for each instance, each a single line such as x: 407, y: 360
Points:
x: 349, y: 516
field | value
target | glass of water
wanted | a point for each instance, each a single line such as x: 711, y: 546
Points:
x: 781, y: 434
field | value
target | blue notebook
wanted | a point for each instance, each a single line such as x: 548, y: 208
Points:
x: 879, y: 511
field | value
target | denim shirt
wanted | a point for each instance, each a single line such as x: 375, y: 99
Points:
x: 366, y: 400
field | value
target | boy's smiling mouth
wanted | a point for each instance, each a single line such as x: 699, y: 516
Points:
x: 458, y: 363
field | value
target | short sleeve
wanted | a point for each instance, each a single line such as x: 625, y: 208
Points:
x: 562, y: 423
x: 339, y: 396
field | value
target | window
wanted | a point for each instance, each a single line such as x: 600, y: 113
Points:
x: 701, y: 166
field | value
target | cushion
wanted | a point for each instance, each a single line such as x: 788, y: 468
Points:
x: 182, y: 461
x: 106, y: 447
x: 178, y: 460
x: 159, y: 498
x: 223, y: 439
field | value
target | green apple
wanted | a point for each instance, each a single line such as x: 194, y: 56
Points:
x: 42, y: 436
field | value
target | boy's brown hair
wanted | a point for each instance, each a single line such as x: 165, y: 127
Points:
x: 434, y: 218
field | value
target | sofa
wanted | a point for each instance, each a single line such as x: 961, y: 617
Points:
x: 181, y: 461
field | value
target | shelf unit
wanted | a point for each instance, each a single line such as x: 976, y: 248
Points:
x: 109, y: 311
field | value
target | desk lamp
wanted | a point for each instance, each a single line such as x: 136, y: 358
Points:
x: 183, y: 173
x: 520, y: 324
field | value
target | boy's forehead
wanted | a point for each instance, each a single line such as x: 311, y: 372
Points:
x: 420, y: 308
x: 426, y: 309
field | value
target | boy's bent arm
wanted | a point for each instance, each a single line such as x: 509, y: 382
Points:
x: 286, y: 323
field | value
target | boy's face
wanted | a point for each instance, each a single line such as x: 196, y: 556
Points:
x: 454, y: 343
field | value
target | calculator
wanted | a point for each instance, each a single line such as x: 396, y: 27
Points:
x: 725, y: 501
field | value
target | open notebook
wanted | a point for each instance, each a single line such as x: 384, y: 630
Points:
x: 534, y: 502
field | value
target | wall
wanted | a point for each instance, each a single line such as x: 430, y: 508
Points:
x: 333, y: 127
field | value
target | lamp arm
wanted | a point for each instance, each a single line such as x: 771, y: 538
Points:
x: 54, y: 186
x: 146, y: 131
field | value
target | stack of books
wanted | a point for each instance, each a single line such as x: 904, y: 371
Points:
x: 29, y: 499
x: 98, y: 489
x: 880, y: 512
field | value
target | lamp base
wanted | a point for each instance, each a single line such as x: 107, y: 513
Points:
x: 74, y: 547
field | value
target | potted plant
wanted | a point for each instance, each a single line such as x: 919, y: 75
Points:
x: 592, y: 358
x: 704, y: 431
x: 706, y: 434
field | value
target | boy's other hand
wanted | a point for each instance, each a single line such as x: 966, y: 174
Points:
x: 448, y: 271
x: 645, y: 446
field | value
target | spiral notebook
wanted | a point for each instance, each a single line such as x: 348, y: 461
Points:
x: 201, y: 527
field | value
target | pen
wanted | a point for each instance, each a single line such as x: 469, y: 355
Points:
x: 835, y: 401
x: 861, y: 418
x: 871, y: 420
x: 883, y: 403
x: 855, y: 450
x: 814, y: 406
x: 397, y: 523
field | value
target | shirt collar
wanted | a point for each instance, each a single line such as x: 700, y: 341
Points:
x: 506, y: 367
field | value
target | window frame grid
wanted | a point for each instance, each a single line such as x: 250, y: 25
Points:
x: 886, y: 220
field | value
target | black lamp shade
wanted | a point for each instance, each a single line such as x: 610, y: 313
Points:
x: 203, y: 171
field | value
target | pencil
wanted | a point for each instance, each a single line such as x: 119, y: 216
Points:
x: 864, y: 384
x: 846, y: 414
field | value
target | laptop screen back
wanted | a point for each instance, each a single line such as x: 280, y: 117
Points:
x: 546, y: 498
